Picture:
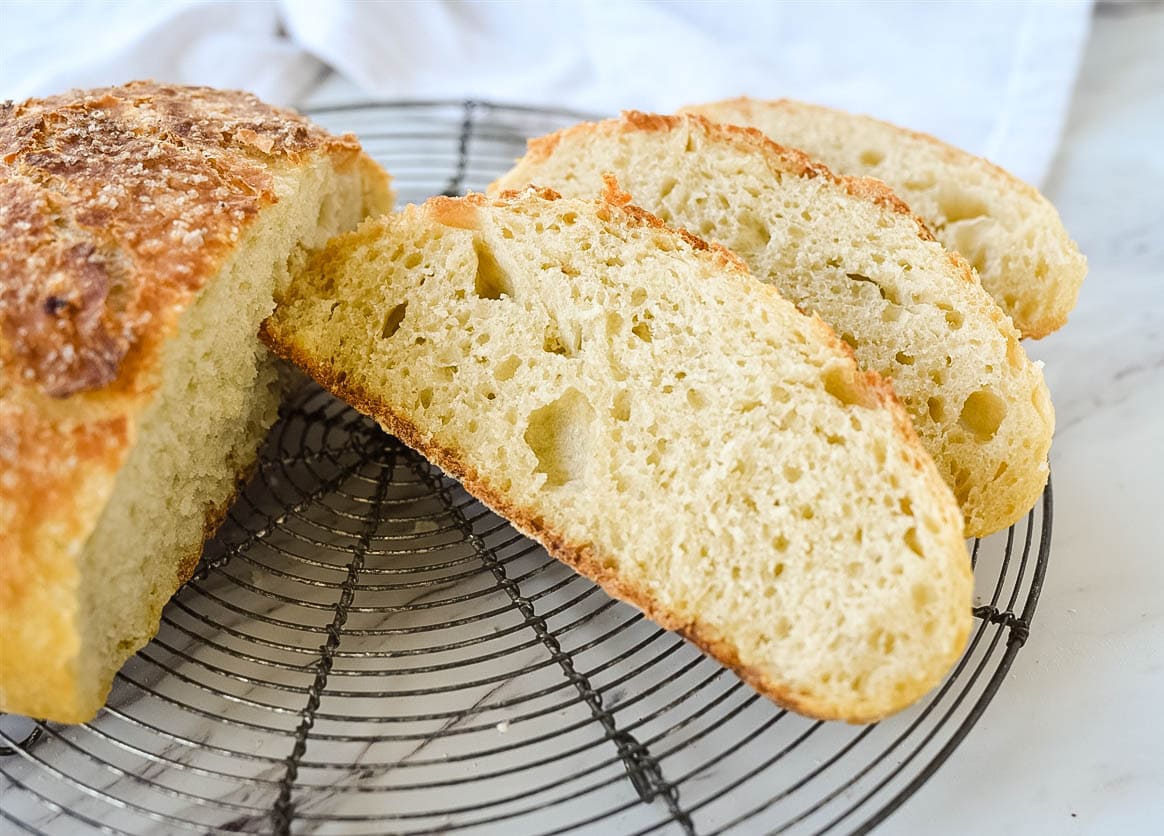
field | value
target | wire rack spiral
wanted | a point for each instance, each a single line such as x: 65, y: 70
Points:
x: 366, y: 649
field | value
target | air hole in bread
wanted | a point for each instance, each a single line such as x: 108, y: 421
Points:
x: 921, y: 182
x: 638, y: 296
x: 792, y: 473
x: 696, y: 399
x: 425, y: 398
x: 957, y: 205
x: 983, y: 413
x: 656, y: 455
x: 923, y: 594
x: 886, y: 293
x: 566, y: 342
x: 904, y: 359
x: 412, y: 260
x: 643, y: 331
x: 753, y: 235
x: 841, y: 383
x: 507, y: 368
x: 782, y: 628
x: 393, y: 319
x: 911, y: 540
x: 559, y: 434
x: 961, y: 485
x: 955, y: 319
x: 1014, y: 353
x: 871, y: 157
x: 621, y: 408
x: 937, y: 408
x: 491, y: 282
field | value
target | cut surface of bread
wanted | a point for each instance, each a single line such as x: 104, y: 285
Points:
x: 145, y: 231
x: 848, y: 250
x: 1005, y: 228
x: 672, y: 429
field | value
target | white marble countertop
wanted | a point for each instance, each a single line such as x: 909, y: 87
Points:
x: 1072, y: 742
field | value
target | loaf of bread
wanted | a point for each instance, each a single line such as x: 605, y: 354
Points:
x: 850, y: 251
x: 1009, y: 232
x: 661, y: 422
x: 145, y: 231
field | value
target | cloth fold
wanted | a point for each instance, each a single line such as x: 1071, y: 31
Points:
x: 993, y: 78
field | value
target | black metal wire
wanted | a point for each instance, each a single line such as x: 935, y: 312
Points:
x: 366, y: 647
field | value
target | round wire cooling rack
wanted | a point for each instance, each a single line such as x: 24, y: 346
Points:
x: 366, y: 649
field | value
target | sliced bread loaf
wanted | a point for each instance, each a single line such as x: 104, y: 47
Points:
x: 850, y: 251
x: 672, y: 429
x: 1010, y: 233
x: 145, y: 231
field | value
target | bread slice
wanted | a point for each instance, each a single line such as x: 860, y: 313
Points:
x: 1010, y: 233
x: 662, y: 423
x: 850, y: 251
x: 144, y: 233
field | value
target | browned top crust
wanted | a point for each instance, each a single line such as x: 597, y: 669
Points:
x: 116, y: 205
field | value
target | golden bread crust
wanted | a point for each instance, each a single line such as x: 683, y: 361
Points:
x: 116, y: 206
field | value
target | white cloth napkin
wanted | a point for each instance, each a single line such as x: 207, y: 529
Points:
x: 994, y: 78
